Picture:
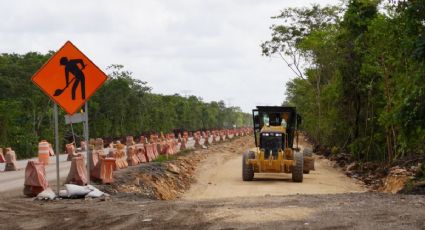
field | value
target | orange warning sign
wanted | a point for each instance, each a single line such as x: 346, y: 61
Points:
x: 69, y: 78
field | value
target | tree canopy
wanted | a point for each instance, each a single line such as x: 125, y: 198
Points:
x: 124, y: 105
x: 362, y: 85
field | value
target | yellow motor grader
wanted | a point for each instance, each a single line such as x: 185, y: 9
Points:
x: 275, y: 128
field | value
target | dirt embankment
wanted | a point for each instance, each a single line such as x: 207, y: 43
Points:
x: 167, y: 180
x: 403, y: 176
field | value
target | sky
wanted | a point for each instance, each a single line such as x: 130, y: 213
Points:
x: 207, y: 48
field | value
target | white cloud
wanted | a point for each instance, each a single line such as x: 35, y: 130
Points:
x: 210, y: 47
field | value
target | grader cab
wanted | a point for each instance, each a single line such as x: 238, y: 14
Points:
x: 275, y: 129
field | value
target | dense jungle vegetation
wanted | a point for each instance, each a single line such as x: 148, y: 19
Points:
x: 359, y: 74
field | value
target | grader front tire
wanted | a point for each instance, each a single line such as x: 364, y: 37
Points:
x: 297, y: 169
x: 247, y: 169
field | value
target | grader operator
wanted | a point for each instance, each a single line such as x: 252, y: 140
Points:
x: 274, y: 131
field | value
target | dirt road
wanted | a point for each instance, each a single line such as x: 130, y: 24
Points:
x: 220, y: 177
x: 228, y: 203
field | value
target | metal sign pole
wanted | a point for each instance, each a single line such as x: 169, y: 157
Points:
x: 55, y: 114
x: 88, y: 153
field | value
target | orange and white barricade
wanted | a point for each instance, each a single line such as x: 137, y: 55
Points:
x: 183, y: 144
x: 77, y: 173
x: 83, y: 146
x: 197, y: 141
x: 214, y: 140
x: 70, y: 150
x: 161, y: 147
x: 2, y: 160
x: 10, y: 159
x: 119, y: 156
x: 150, y: 151
x: 98, y: 144
x: 155, y: 151
x: 142, y: 140
x: 97, y: 155
x: 140, y: 153
x: 132, y: 158
x: 107, y: 168
x: 43, y: 152
x: 35, y: 178
x: 129, y: 141
x: 221, y: 136
x: 207, y: 140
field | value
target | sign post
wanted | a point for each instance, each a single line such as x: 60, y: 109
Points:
x: 69, y: 78
x: 86, y: 135
x: 55, y: 114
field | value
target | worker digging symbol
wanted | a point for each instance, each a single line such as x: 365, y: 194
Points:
x: 71, y: 66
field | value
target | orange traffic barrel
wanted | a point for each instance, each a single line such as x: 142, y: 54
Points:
x: 43, y: 152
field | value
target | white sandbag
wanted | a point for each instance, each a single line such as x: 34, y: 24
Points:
x: 76, y: 190
x: 95, y: 193
x: 63, y: 193
x: 91, y: 187
x: 47, y: 194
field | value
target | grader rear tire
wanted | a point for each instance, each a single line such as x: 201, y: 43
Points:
x: 247, y: 169
x: 297, y: 169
